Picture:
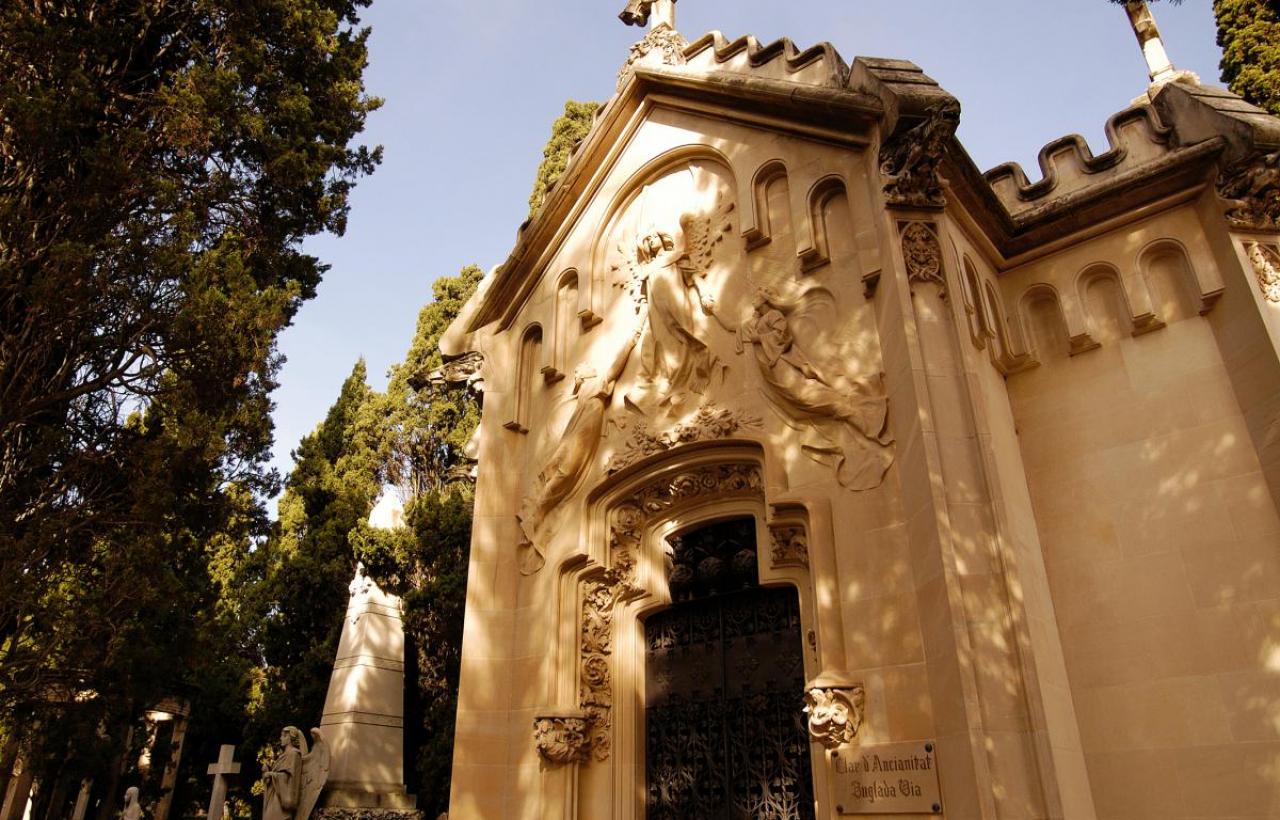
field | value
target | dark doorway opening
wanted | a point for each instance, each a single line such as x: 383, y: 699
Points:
x: 725, y: 736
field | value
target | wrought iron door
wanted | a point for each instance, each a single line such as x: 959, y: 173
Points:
x: 725, y: 737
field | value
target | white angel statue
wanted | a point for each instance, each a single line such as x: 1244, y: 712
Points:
x: 294, y: 779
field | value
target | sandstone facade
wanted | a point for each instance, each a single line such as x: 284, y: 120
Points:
x: 1015, y: 444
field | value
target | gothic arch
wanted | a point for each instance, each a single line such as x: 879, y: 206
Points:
x: 594, y: 288
x: 605, y: 595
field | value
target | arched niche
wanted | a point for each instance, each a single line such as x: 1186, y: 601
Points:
x: 1044, y: 323
x: 1171, y: 281
x: 529, y: 364
x: 770, y: 205
x: 828, y: 201
x: 566, y: 326
x: 1101, y: 293
x: 981, y: 327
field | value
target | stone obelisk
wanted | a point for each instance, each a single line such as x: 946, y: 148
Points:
x: 363, y: 719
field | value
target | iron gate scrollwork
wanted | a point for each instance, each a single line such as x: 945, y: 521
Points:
x: 724, y: 679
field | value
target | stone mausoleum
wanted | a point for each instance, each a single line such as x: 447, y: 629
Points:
x: 822, y: 474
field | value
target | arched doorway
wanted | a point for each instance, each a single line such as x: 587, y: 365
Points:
x: 725, y: 736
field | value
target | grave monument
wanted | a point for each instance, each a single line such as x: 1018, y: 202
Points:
x: 822, y: 474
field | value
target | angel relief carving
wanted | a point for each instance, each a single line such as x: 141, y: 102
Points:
x: 665, y: 276
x: 572, y: 453
x: 844, y: 415
x: 293, y: 780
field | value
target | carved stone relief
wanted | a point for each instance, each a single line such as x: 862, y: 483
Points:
x: 844, y: 416
x: 664, y: 270
x: 464, y: 371
x: 910, y: 162
x: 574, y: 450
x: 561, y: 739
x: 835, y: 714
x: 1266, y: 266
x: 922, y: 254
x: 664, y: 43
x: 790, y: 545
x: 707, y: 424
x: 603, y: 592
x: 1250, y: 190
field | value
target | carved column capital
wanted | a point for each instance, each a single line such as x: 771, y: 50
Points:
x: 835, y: 714
x: 561, y: 738
x: 790, y: 545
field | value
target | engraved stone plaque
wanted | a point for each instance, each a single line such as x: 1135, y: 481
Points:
x: 892, y: 778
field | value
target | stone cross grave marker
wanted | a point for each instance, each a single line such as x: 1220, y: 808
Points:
x: 220, y: 770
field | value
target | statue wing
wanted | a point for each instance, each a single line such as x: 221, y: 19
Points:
x: 315, y: 773
x: 702, y: 232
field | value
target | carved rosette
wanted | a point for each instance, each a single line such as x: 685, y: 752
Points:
x: 561, y: 739
x: 922, y: 254
x: 910, y: 162
x: 835, y: 714
x: 1265, y: 260
x: 1250, y: 191
x: 603, y: 592
x: 709, y: 423
x: 790, y: 545
x: 663, y: 45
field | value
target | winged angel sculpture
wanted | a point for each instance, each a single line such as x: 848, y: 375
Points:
x: 292, y: 783
x: 666, y: 277
x: 846, y: 415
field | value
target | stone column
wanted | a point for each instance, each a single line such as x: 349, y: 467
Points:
x: 363, y: 719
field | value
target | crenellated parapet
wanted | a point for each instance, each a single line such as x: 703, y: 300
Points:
x: 1137, y: 142
x: 819, y: 65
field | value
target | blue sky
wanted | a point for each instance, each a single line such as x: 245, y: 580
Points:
x: 472, y: 86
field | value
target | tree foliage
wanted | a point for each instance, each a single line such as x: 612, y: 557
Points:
x: 566, y: 132
x: 161, y: 162
x: 1249, y: 34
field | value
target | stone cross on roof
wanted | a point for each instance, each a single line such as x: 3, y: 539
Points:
x: 654, y: 12
x: 1144, y: 26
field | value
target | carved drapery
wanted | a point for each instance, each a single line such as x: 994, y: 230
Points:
x: 922, y: 255
x: 603, y: 592
x: 835, y: 714
x: 707, y: 424
x: 1265, y: 260
x: 561, y: 739
x: 790, y: 546
x: 1250, y: 190
x: 844, y: 417
x: 911, y: 161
